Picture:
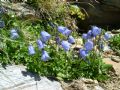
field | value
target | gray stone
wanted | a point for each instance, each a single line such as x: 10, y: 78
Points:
x: 106, y: 48
x: 98, y: 88
x: 115, y: 58
x: 89, y: 81
x: 115, y: 31
x: 100, y: 12
x: 17, y: 78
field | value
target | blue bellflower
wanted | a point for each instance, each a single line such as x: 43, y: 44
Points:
x: 83, y: 53
x: 96, y: 31
x: 61, y: 29
x: 84, y: 36
x: 45, y: 56
x: 64, y: 30
x: 40, y: 44
x: 67, y: 32
x: 2, y: 24
x: 89, y: 34
x: 65, y: 45
x: 14, y: 34
x: 107, y: 36
x: 89, y: 45
x: 45, y: 36
x: 31, y: 50
x: 71, y: 40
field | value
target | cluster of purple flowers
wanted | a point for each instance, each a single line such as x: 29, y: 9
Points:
x: 88, y: 37
x: 95, y: 31
x: 88, y: 46
x: 66, y: 43
x: 45, y: 36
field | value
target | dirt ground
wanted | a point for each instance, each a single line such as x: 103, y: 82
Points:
x: 114, y: 82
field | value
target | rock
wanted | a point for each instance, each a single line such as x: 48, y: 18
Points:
x: 95, y: 81
x: 100, y: 12
x: 115, y: 58
x: 75, y: 85
x: 106, y: 48
x: 20, y: 9
x: 78, y: 44
x: 88, y: 81
x: 115, y: 31
x: 98, y: 88
x: 16, y: 77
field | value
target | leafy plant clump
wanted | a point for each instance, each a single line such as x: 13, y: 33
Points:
x: 46, y: 49
x: 57, y: 11
x: 115, y: 44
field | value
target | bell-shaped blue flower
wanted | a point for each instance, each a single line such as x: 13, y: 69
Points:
x: 45, y: 36
x: 89, y: 45
x: 31, y: 50
x: 107, y: 36
x: 45, y: 56
x: 96, y: 31
x: 89, y: 34
x: 2, y: 24
x: 71, y: 40
x: 67, y: 32
x: 40, y: 44
x: 83, y: 53
x: 14, y: 34
x: 65, y: 45
x: 61, y: 29
x: 84, y: 36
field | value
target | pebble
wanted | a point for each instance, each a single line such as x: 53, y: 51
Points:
x: 115, y: 58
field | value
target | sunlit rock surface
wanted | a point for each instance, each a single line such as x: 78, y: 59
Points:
x: 17, y: 78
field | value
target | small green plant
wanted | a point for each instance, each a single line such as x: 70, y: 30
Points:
x: 115, y: 44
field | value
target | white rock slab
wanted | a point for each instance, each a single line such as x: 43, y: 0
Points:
x: 17, y: 78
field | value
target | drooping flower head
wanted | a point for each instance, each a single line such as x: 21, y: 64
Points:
x: 83, y: 53
x: 40, y: 44
x: 67, y: 32
x: 61, y: 29
x: 14, y: 34
x: 45, y: 36
x: 89, y: 34
x: 65, y: 45
x: 2, y: 24
x: 71, y: 40
x: 84, y: 36
x: 64, y: 30
x: 89, y: 45
x: 31, y: 50
x: 45, y: 56
x: 107, y: 36
x: 96, y: 31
